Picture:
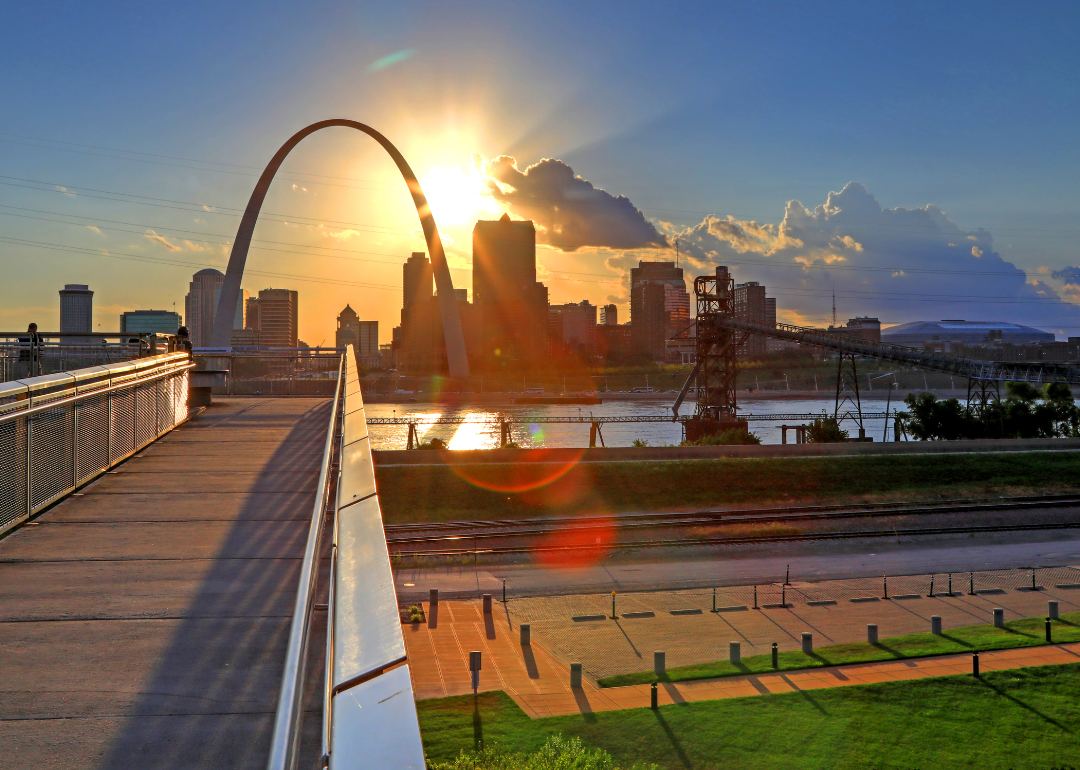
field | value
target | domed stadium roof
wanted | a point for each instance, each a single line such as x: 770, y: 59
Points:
x: 209, y: 271
x: 918, y: 333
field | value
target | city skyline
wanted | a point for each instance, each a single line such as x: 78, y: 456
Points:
x: 962, y: 200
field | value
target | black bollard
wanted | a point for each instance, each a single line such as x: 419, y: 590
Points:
x: 787, y: 575
x: 775, y: 656
x: 975, y: 662
x: 950, y: 584
x: 971, y: 584
x: 931, y: 586
x: 1048, y: 634
x: 755, y: 597
x: 885, y: 582
x: 655, y: 703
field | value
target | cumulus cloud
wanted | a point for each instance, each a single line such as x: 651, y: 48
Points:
x: 569, y: 212
x: 61, y: 189
x: 897, y: 264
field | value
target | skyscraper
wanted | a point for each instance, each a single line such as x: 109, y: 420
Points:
x: 363, y: 335
x: 417, y: 281
x: 659, y: 307
x: 278, y: 318
x: 76, y: 308
x: 510, y: 303
x: 200, y: 305
x: 574, y: 325
x: 749, y: 303
x: 609, y: 315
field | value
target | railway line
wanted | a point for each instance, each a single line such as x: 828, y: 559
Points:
x: 529, y: 535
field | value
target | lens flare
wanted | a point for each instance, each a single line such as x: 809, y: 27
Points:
x: 576, y: 546
x: 547, y: 466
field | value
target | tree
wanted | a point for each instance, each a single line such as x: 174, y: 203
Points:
x: 825, y: 430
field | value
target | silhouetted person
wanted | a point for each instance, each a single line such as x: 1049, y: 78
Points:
x: 30, y: 353
x: 181, y: 343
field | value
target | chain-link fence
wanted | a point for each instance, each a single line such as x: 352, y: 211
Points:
x: 59, y: 431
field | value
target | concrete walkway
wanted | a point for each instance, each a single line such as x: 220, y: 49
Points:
x: 143, y: 621
x: 538, y: 678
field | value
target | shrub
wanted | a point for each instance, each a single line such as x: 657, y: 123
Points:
x: 730, y: 437
x: 416, y: 614
x: 557, y: 754
x: 825, y: 430
x: 640, y: 442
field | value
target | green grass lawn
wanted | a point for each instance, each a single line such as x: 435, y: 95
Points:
x: 1021, y: 718
x: 440, y: 493
x: 1025, y: 632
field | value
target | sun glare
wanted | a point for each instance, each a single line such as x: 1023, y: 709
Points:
x: 457, y: 195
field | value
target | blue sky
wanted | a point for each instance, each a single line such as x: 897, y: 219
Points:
x: 718, y: 112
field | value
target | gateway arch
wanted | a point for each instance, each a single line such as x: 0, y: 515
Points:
x: 230, y: 290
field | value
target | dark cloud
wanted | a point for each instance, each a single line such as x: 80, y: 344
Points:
x: 569, y: 212
x: 897, y: 264
x: 1070, y: 276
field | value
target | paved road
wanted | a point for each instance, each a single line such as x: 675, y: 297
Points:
x: 756, y: 564
x: 143, y: 623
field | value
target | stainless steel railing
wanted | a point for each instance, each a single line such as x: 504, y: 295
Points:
x: 285, y: 744
x: 370, y: 714
x: 368, y: 692
x: 59, y: 431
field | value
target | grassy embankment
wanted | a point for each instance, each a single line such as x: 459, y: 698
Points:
x: 1025, y: 632
x: 443, y: 493
x: 1021, y: 718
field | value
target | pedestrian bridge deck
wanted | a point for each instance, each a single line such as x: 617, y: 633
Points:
x: 144, y: 620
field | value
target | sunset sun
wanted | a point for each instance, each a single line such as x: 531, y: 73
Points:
x: 457, y: 195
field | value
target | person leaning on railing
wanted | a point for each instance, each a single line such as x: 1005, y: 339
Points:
x: 181, y: 343
x: 30, y: 353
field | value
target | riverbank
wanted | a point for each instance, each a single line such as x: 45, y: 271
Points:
x: 664, y: 399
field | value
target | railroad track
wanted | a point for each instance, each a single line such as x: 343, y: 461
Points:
x: 400, y: 537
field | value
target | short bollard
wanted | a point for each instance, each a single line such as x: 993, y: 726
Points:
x: 433, y: 597
x: 474, y: 669
x: 775, y: 656
x: 1052, y: 610
x: 654, y: 703
x: 931, y: 594
x: 755, y: 597
x: 487, y: 604
x: 735, y: 652
x: 613, y: 615
x: 871, y: 633
x: 575, y: 676
x: 1049, y: 636
x: 659, y: 662
x: 975, y: 662
x: 807, y: 642
x: 714, y: 600
x: 971, y: 584
x: 526, y: 634
x: 935, y: 625
x: 999, y: 617
x: 885, y: 582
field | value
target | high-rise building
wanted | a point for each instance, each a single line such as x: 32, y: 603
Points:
x: 149, y: 322
x: 76, y: 308
x: 573, y: 325
x: 417, y: 282
x: 749, y: 303
x: 659, y: 307
x: 609, y: 315
x: 278, y: 318
x: 362, y: 335
x: 200, y: 306
x: 511, y: 306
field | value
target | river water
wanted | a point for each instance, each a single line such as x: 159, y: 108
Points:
x: 482, y: 430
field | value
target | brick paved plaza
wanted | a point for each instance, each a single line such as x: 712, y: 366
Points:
x: 578, y: 629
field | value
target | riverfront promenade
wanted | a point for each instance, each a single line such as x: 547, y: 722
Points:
x: 143, y: 621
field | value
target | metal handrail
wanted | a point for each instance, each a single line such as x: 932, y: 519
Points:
x: 284, y: 745
x: 128, y: 383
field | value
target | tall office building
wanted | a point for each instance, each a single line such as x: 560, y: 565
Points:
x: 278, y: 318
x: 573, y: 325
x: 659, y: 307
x: 512, y: 307
x: 149, y: 322
x: 417, y: 282
x: 609, y: 315
x: 749, y: 303
x: 76, y: 308
x: 200, y: 306
x: 362, y: 335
